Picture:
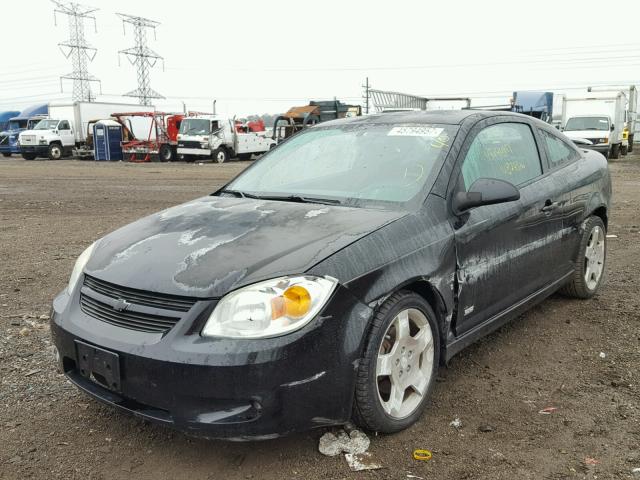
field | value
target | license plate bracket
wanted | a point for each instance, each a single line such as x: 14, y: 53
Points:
x: 99, y: 365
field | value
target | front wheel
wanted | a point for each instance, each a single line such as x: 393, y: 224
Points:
x: 220, y: 155
x: 589, y: 267
x: 29, y: 156
x: 624, y: 150
x: 6, y: 154
x: 399, y: 366
x: 615, y: 151
x: 166, y: 153
x: 55, y: 151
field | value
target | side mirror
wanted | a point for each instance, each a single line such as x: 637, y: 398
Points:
x: 485, y: 191
x: 612, y: 127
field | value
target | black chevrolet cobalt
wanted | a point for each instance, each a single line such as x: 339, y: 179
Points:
x: 331, y: 279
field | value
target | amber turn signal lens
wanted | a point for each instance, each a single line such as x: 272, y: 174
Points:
x: 294, y: 302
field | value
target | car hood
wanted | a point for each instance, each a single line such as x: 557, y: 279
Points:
x: 212, y: 245
x: 587, y: 133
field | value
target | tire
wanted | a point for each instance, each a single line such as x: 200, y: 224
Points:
x: 29, y: 156
x: 166, y: 153
x: 55, y: 151
x: 6, y: 154
x: 374, y: 406
x: 630, y: 149
x: 624, y: 150
x: 615, y: 151
x: 592, y: 258
x: 244, y: 156
x: 220, y: 155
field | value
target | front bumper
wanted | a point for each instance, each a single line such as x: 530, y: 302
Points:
x: 39, y: 150
x: 603, y: 149
x: 205, y: 152
x: 224, y: 388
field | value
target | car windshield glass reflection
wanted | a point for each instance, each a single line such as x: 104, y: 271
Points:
x: 354, y: 164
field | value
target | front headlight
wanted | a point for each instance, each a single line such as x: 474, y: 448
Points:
x: 269, y: 309
x: 79, y: 267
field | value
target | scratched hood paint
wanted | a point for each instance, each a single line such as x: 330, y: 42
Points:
x: 212, y: 245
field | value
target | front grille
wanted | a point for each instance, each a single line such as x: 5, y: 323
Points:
x: 189, y: 144
x: 28, y: 139
x: 4, y: 139
x: 140, y: 297
x: 135, y: 314
x: 143, y: 322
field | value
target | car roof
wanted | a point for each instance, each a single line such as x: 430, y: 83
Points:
x: 447, y: 117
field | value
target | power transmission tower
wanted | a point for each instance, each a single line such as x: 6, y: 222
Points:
x: 366, y: 95
x: 77, y: 48
x: 141, y: 56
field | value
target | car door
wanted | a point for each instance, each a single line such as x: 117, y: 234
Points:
x: 66, y: 133
x: 562, y: 161
x: 505, y: 252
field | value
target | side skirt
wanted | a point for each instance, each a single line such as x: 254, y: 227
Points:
x: 503, y: 317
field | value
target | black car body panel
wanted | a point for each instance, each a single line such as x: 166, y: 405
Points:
x: 477, y: 270
x: 212, y: 245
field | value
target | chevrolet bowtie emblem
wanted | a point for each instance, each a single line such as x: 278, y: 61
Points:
x: 121, y: 305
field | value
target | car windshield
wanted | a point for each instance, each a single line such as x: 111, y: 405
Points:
x: 587, y: 123
x: 46, y: 125
x: 351, y: 164
x: 195, y: 126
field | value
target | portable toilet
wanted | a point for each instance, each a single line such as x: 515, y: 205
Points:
x: 107, y: 140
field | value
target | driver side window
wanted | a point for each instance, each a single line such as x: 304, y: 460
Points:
x: 64, y: 125
x: 506, y: 151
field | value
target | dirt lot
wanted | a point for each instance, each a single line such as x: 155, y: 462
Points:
x: 50, y: 211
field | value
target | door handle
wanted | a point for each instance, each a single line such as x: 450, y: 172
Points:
x: 549, y: 206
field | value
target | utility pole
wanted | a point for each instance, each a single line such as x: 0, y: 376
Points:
x: 141, y: 56
x: 77, y: 48
x: 366, y: 95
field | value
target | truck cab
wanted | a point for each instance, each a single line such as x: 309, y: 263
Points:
x: 52, y: 138
x: 210, y: 136
x: 598, y: 129
x: 9, y: 137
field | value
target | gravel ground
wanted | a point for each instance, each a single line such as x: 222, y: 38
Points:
x: 581, y: 357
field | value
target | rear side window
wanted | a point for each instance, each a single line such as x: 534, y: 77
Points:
x: 558, y: 151
x: 506, y: 151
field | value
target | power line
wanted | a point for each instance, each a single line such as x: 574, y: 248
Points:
x: 141, y: 56
x: 77, y: 48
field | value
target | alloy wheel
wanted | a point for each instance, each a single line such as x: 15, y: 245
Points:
x: 594, y: 258
x: 405, y: 363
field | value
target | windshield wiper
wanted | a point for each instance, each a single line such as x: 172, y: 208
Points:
x: 300, y: 199
x: 239, y: 194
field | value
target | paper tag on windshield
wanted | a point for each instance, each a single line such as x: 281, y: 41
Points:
x: 415, y: 131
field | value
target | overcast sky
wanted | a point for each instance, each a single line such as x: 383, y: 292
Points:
x: 265, y: 56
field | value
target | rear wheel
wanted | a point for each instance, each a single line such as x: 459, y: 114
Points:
x: 29, y: 156
x: 166, y: 153
x: 220, y: 155
x: 623, y: 150
x: 244, y: 156
x: 6, y: 154
x: 589, y: 267
x: 55, y: 151
x: 615, y: 151
x: 399, y: 366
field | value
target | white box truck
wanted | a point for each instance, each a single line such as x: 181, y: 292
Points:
x: 211, y: 136
x: 65, y: 131
x: 599, y: 118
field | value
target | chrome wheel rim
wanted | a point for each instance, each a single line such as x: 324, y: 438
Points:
x: 405, y: 363
x: 220, y: 156
x: 55, y: 152
x: 594, y: 258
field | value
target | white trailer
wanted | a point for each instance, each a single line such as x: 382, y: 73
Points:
x: 65, y: 132
x: 219, y: 138
x: 599, y: 118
